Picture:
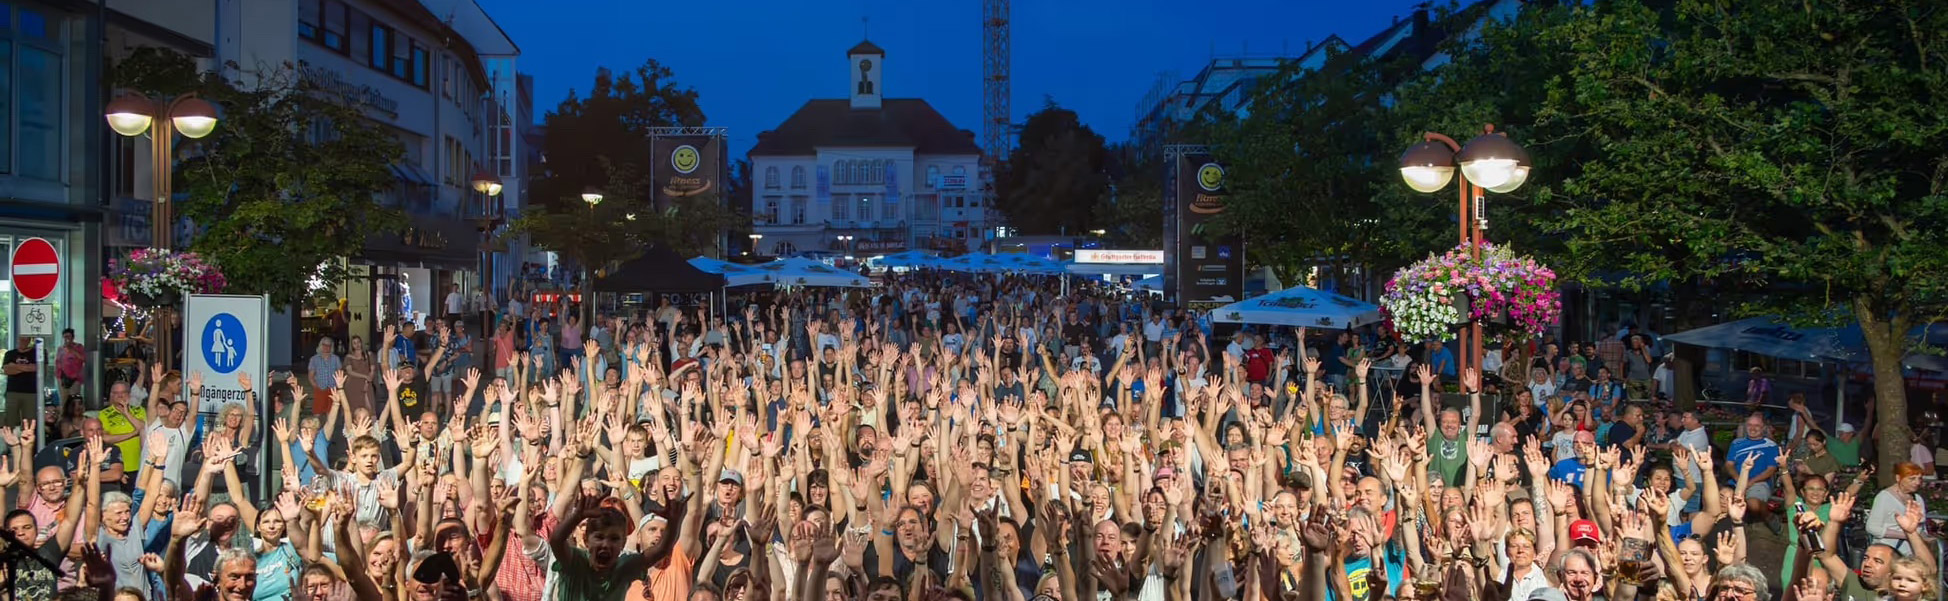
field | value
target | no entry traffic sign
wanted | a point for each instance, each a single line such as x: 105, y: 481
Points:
x: 36, y: 269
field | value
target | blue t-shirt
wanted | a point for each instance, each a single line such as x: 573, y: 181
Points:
x: 1443, y: 360
x: 1358, y: 571
x: 1568, y: 470
x: 1764, y: 452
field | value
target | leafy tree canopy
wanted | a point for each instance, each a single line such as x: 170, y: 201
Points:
x: 601, y: 142
x: 290, y: 181
x: 1051, y: 183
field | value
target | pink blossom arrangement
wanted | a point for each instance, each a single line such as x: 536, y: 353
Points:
x: 159, y: 274
x: 1426, y: 299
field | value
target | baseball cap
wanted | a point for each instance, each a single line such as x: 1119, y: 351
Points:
x: 1846, y: 428
x: 733, y: 477
x: 1079, y: 456
x: 1584, y: 530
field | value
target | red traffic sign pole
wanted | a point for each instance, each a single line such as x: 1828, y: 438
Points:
x: 36, y: 269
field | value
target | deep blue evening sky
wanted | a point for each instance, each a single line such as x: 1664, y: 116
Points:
x: 755, y: 61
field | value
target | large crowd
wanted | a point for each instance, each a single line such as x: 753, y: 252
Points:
x: 941, y: 437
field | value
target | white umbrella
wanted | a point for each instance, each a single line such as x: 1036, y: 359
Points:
x: 911, y: 258
x: 734, y: 274
x: 1300, y: 306
x: 799, y: 271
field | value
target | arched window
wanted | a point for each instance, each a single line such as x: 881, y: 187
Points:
x: 798, y: 176
x: 860, y: 173
x: 960, y: 170
x: 770, y: 177
x: 933, y: 175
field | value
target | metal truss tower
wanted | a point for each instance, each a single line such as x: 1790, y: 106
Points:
x: 995, y: 58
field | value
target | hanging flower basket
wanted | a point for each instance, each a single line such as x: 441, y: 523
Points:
x: 1424, y: 301
x: 154, y: 278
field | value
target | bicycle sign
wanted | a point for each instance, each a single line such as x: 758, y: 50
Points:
x: 36, y: 319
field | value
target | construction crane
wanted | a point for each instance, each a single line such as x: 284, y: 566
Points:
x: 996, y: 125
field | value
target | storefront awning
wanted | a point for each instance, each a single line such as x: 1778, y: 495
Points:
x: 411, y: 174
x: 428, y: 241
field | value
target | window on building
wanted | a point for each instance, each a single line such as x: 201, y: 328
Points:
x: 798, y: 210
x: 933, y: 175
x: 960, y: 170
x: 890, y: 210
x: 839, y: 209
x: 420, y: 65
x: 381, y: 56
x: 504, y: 150
x: 798, y: 177
x: 336, y: 18
x: 865, y: 208
x: 771, y: 178
x: 31, y: 107
x: 402, y: 57
x: 841, y: 172
x: 770, y: 212
x: 310, y: 14
x: 926, y: 208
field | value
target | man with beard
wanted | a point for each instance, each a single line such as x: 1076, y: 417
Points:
x: 235, y: 572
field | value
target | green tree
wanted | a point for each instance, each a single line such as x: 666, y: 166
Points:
x: 1500, y: 76
x: 600, y: 142
x: 1795, y: 149
x: 1301, y: 165
x: 288, y: 184
x: 1051, y: 182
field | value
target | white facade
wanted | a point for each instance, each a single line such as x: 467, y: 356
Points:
x: 918, y: 189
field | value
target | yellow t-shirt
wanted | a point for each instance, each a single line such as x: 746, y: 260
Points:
x: 116, y: 423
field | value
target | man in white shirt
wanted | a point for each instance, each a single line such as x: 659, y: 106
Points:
x: 456, y: 303
x: 172, y: 431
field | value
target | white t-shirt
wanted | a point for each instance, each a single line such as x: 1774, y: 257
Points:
x: 178, y: 441
x: 455, y: 303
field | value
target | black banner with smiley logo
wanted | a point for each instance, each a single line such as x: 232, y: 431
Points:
x: 1208, y: 268
x: 684, y: 167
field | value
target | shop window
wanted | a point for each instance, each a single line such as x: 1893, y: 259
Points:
x: 32, y: 113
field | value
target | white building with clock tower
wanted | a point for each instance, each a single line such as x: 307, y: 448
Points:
x: 890, y: 173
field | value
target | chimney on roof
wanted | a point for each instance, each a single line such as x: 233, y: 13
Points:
x: 1420, y: 18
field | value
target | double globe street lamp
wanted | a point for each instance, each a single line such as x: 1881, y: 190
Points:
x: 132, y: 115
x: 1489, y: 162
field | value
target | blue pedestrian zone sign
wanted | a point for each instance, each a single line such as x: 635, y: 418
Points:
x: 224, y: 343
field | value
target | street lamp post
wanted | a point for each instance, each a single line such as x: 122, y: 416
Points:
x: 1490, y: 162
x: 131, y: 115
x: 846, y: 239
x: 592, y: 196
x: 754, y: 243
x: 489, y: 219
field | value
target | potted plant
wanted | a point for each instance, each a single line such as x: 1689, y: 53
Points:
x: 1426, y: 299
x: 155, y: 278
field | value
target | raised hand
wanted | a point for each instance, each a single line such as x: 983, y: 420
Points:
x: 1471, y: 380
x: 243, y: 380
x: 1910, y: 520
x: 189, y: 518
x: 1727, y: 548
x: 282, y: 429
x: 1736, y: 508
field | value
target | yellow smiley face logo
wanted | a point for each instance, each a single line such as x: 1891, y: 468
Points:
x: 1210, y: 177
x: 685, y: 159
